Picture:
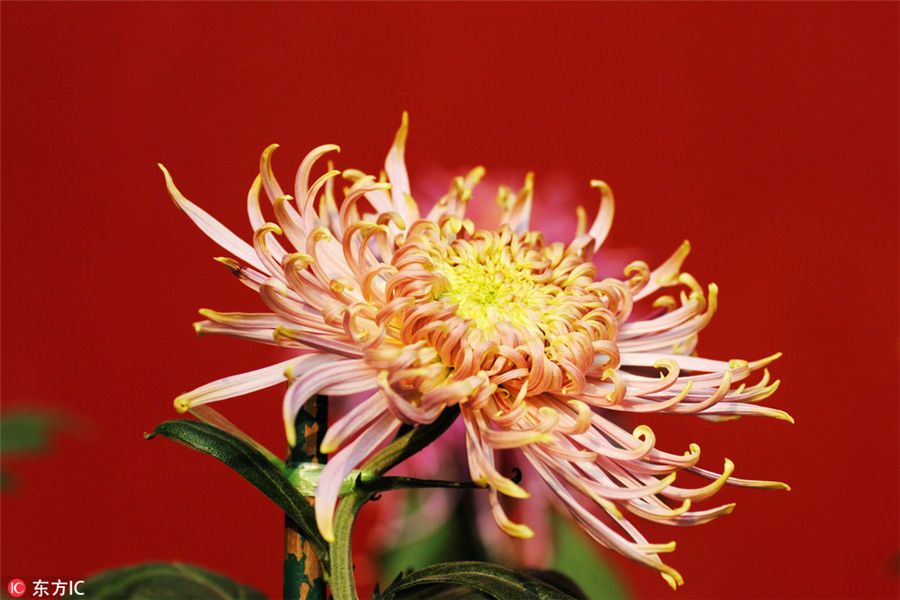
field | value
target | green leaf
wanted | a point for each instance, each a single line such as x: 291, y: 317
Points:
x: 23, y: 432
x: 163, y: 581
x: 252, y: 466
x: 29, y: 431
x: 443, y: 592
x: 493, y: 580
x: 578, y: 558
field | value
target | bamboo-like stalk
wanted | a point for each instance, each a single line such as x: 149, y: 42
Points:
x: 304, y: 578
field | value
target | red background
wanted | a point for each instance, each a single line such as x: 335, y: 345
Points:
x: 767, y: 134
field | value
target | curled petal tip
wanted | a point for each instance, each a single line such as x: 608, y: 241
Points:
x: 177, y: 197
x: 769, y: 359
x: 288, y: 370
x: 773, y: 485
x: 268, y: 228
x: 290, y: 432
x: 400, y: 137
x: 658, y: 548
x: 783, y: 416
x: 508, y: 488
x: 327, y: 531
x: 599, y: 183
x: 233, y: 265
x: 526, y: 532
x: 673, y: 578
x: 518, y: 530
x: 685, y: 506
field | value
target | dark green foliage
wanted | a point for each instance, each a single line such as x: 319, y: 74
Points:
x: 252, y: 466
x: 165, y: 581
x: 493, y: 581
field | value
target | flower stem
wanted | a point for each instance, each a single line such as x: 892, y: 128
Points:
x: 343, y: 585
x: 304, y: 578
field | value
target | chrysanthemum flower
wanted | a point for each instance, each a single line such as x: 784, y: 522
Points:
x: 422, y: 312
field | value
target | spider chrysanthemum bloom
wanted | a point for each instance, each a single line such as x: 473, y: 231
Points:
x: 418, y: 313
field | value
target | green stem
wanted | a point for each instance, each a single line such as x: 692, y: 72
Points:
x: 386, y: 484
x: 304, y: 577
x: 343, y: 585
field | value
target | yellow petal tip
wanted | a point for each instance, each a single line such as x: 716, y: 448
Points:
x: 518, y: 530
x: 783, y: 416
x: 673, y: 578
x: 291, y: 434
x: 328, y: 535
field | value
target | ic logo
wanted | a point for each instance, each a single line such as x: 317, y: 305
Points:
x: 16, y: 588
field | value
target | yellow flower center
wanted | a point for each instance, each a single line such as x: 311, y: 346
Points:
x: 490, y: 285
x: 499, y: 302
x: 497, y: 278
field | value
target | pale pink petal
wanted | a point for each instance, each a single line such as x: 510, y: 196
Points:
x: 236, y: 385
x: 340, y: 465
x: 326, y: 374
x: 395, y: 167
x: 359, y: 417
x: 212, y: 228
